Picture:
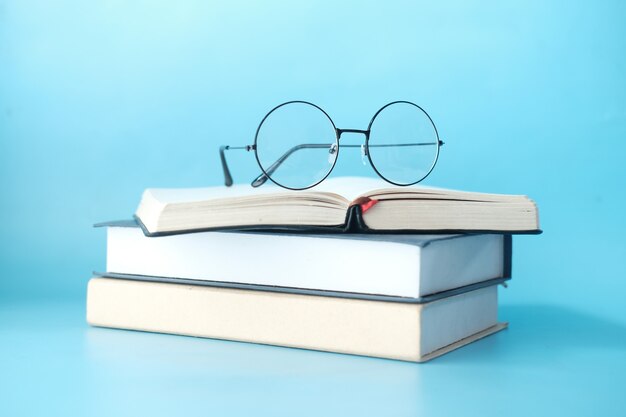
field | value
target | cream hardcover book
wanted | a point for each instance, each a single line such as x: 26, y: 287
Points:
x: 393, y: 330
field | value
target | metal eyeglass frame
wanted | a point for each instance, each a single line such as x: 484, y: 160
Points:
x: 267, y: 174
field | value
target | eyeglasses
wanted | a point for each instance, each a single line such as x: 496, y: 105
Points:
x: 297, y: 145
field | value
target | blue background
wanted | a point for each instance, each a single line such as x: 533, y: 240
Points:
x: 99, y: 100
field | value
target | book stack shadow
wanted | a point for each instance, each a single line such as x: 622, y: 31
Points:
x: 411, y: 293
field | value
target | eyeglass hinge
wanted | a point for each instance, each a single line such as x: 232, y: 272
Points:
x: 441, y: 143
x: 247, y: 147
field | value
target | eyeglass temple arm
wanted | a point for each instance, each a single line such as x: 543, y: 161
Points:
x: 262, y: 179
x: 228, y: 179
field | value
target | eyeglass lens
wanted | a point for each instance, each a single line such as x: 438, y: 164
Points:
x: 403, y: 143
x: 296, y: 145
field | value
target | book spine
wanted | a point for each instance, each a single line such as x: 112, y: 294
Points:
x: 507, y: 269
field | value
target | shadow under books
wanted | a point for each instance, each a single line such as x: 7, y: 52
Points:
x: 539, y: 334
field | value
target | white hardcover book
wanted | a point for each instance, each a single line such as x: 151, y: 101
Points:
x: 394, y: 330
x: 410, y: 266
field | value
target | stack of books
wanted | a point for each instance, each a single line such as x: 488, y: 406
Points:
x: 401, y: 273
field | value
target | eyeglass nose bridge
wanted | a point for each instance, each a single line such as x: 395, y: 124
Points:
x: 342, y: 131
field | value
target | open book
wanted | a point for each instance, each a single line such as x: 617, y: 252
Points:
x: 336, y: 205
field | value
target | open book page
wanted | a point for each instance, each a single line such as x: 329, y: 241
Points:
x: 432, y: 193
x: 241, y: 194
x: 351, y: 187
x: 338, y: 191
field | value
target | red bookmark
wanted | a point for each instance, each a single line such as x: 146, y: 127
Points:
x: 368, y: 205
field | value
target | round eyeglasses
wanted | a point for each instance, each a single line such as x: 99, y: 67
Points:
x: 297, y: 145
